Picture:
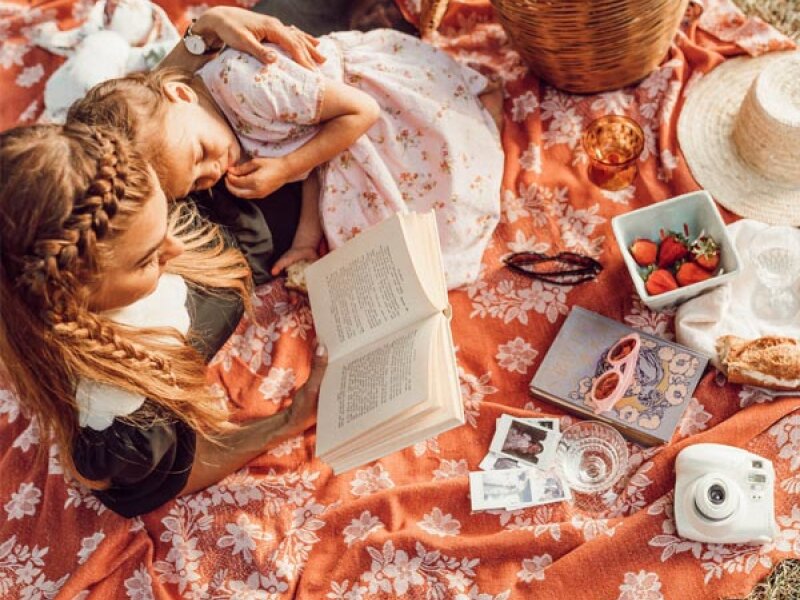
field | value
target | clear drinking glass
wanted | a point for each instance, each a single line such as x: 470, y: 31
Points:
x: 775, y: 255
x: 613, y: 144
x: 591, y: 457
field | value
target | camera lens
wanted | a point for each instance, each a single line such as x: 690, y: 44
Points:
x: 716, y: 494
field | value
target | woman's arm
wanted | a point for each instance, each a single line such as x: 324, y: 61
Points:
x: 244, y: 30
x: 347, y: 113
x: 212, y: 462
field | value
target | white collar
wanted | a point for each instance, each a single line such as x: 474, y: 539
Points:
x: 165, y: 307
x: 99, y: 403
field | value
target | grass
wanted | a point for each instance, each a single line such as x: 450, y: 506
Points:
x: 783, y: 583
x: 783, y: 14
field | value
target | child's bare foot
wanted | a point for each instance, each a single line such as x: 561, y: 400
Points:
x: 492, y: 99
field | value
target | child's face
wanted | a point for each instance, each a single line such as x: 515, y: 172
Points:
x: 198, y: 144
x: 138, y: 256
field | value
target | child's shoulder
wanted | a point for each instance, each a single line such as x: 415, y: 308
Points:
x: 236, y: 59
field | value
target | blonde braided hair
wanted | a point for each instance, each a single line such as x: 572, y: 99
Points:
x: 65, y: 193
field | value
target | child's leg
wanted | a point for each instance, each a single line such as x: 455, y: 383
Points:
x: 491, y: 96
x: 492, y: 99
x: 309, y: 229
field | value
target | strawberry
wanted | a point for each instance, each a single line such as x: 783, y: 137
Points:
x: 706, y: 252
x: 674, y: 247
x: 689, y: 273
x: 644, y: 251
x: 659, y: 281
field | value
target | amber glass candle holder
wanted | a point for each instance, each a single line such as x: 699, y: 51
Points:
x: 613, y: 144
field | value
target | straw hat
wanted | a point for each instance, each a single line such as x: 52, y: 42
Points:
x: 740, y: 133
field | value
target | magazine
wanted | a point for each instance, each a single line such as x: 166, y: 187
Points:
x: 650, y: 410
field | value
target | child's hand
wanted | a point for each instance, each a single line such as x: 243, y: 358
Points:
x: 257, y: 178
x: 293, y: 255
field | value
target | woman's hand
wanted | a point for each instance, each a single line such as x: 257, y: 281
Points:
x: 213, y: 461
x: 303, y: 411
x: 244, y: 30
x: 258, y: 177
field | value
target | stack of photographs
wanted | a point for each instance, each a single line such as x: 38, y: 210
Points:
x: 518, y: 471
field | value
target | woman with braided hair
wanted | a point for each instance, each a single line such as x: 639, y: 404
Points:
x: 101, y: 284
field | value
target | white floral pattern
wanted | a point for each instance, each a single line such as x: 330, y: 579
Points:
x: 399, y: 572
x: 277, y: 385
x: 440, y: 524
x: 139, y: 586
x: 242, y: 536
x: 89, y: 545
x: 285, y: 527
x: 23, y: 502
x: 516, y: 356
x: 534, y: 568
x: 695, y: 419
x: 359, y: 529
x: 787, y: 439
x: 641, y: 586
x: 370, y: 480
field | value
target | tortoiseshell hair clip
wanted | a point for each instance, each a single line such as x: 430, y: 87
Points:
x: 564, y: 268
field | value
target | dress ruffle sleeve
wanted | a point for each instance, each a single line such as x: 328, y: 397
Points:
x: 144, y: 467
x: 274, y: 107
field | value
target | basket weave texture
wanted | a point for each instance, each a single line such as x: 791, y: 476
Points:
x: 587, y: 46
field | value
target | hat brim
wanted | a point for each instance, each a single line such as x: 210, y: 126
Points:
x: 704, y: 133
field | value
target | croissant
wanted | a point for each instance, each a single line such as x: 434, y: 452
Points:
x: 770, y: 361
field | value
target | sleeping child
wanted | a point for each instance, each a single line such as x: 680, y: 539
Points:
x: 387, y: 124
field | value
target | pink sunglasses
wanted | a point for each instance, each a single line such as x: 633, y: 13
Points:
x: 609, y: 387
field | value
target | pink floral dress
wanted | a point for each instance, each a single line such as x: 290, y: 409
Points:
x: 433, y: 147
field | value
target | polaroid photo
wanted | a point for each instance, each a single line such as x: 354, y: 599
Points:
x: 499, y: 489
x: 521, y: 441
x: 546, y: 488
x: 546, y: 422
x: 494, y: 462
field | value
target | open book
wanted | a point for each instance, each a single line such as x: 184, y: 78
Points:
x: 380, y: 307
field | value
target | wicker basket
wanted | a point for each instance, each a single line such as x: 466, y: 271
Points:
x: 584, y: 46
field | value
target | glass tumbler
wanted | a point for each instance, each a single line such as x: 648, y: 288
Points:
x: 591, y: 457
x: 613, y: 144
x: 775, y: 256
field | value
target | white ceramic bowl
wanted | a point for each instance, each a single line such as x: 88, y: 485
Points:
x: 699, y: 212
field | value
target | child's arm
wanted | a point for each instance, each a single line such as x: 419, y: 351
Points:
x: 309, y: 229
x: 347, y: 113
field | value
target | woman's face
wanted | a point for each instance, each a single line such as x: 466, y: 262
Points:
x: 137, y: 257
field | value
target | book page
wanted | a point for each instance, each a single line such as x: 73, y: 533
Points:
x: 372, y: 386
x: 367, y: 289
x: 427, y: 255
x: 443, y: 409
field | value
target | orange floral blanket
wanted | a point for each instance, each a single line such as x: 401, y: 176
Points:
x: 401, y: 527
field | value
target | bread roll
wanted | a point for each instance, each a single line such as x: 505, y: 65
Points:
x: 772, y: 361
x: 296, y: 276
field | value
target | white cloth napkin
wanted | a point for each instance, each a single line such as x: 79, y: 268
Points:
x: 727, y: 310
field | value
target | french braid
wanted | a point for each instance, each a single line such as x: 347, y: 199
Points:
x: 53, y: 273
x: 65, y: 193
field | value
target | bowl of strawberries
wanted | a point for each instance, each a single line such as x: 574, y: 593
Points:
x: 676, y: 249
